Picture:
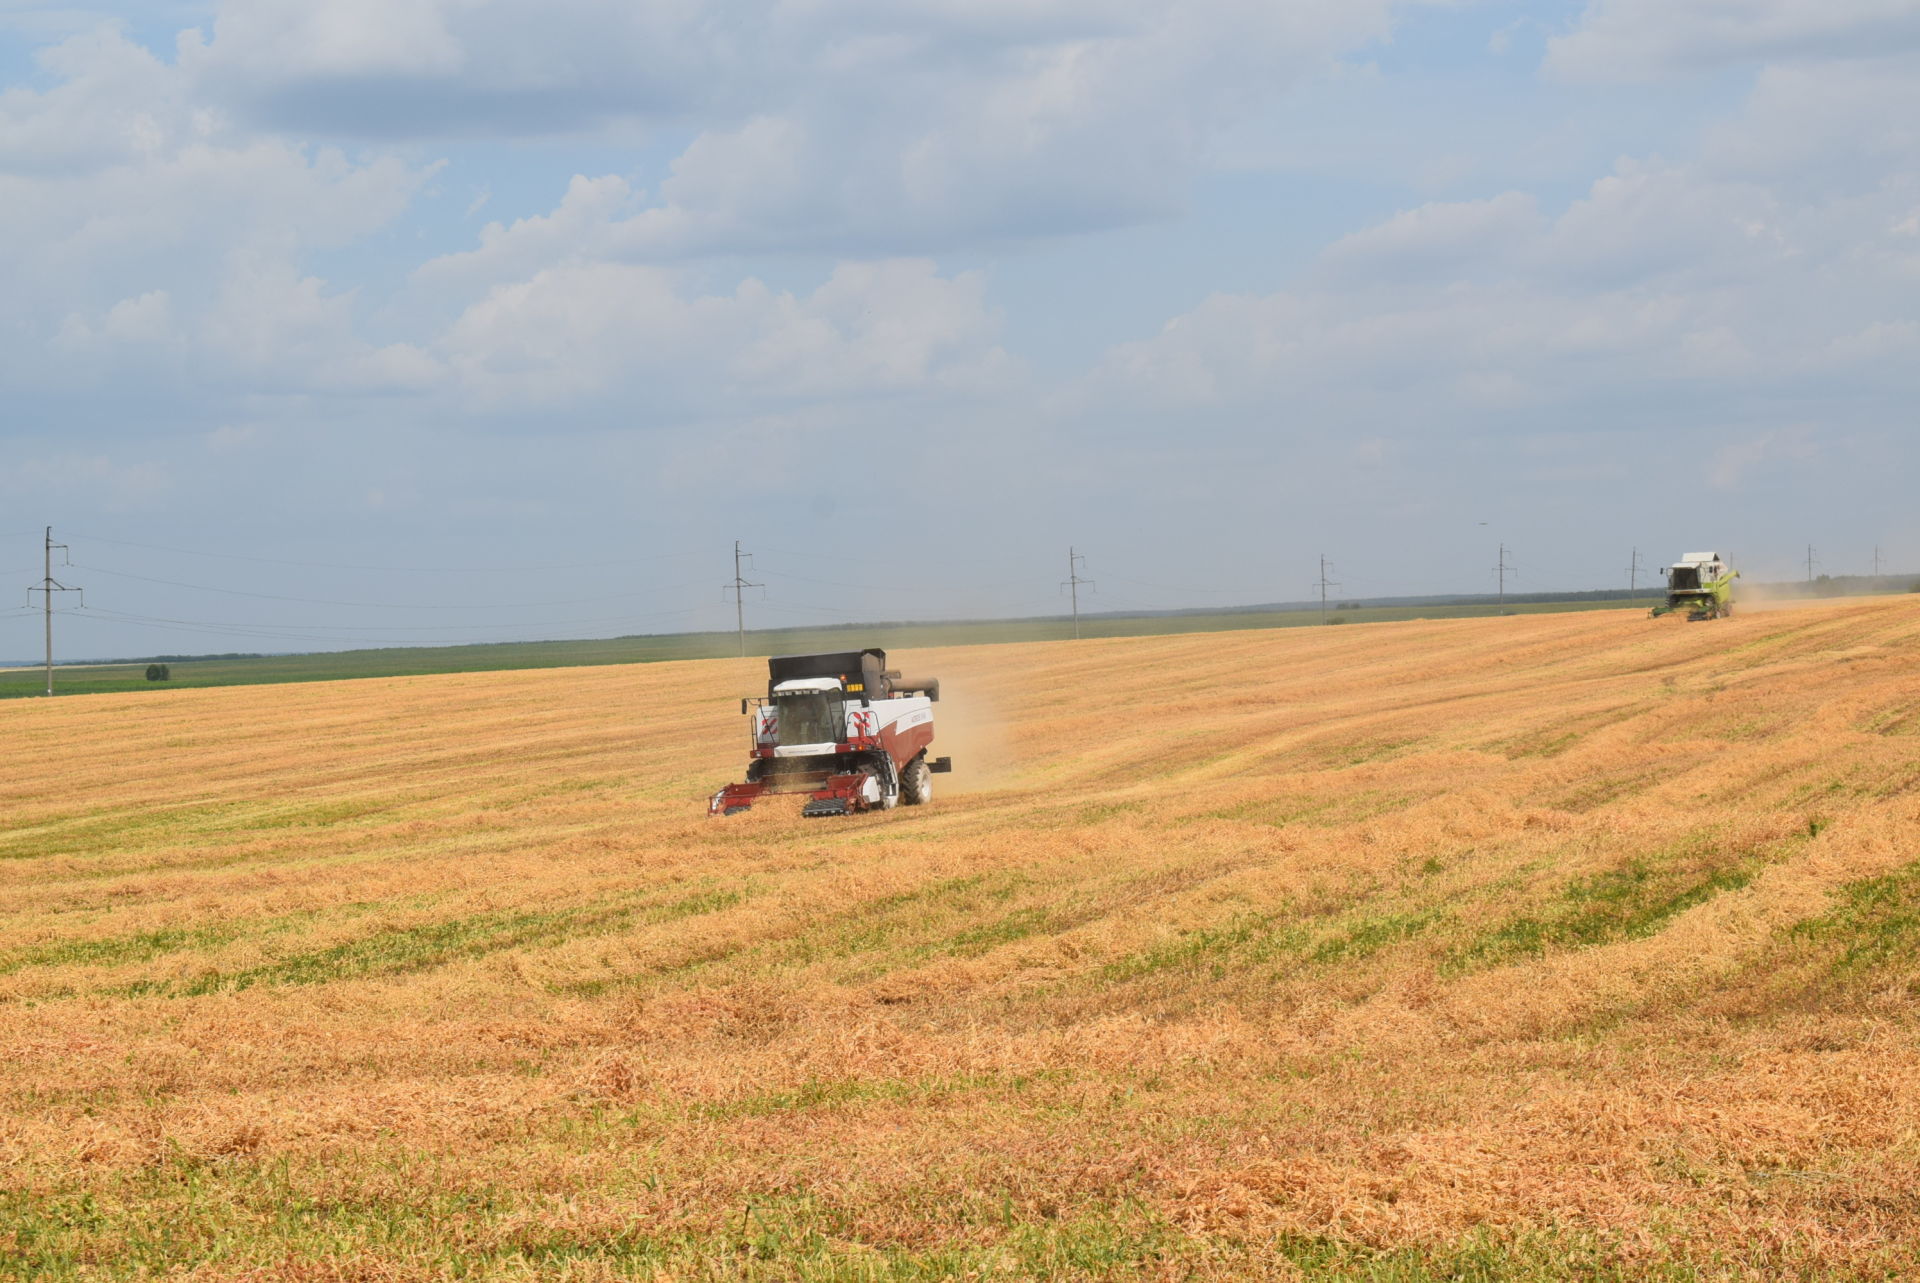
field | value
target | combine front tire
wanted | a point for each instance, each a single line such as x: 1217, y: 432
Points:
x: 916, y: 783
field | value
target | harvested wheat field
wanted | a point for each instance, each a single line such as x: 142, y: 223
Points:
x: 1558, y: 945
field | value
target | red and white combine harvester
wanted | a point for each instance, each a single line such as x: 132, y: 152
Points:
x: 844, y: 728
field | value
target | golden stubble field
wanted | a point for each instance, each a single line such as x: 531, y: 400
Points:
x: 1544, y: 946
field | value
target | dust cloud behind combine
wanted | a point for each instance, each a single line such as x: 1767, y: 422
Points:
x: 1763, y: 596
x: 1535, y: 946
x: 971, y: 727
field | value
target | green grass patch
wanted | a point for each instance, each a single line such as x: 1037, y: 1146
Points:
x: 988, y: 936
x: 108, y: 951
x: 1247, y: 938
x: 1874, y: 922
x: 1370, y: 935
x: 425, y: 946
x: 403, y: 1219
x: 1628, y: 903
x: 896, y: 929
x: 114, y: 828
x: 899, y: 921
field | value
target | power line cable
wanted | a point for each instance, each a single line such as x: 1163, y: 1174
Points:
x: 585, y: 565
x: 395, y: 628
x: 288, y: 635
x: 889, y: 588
x: 1141, y: 583
x: 424, y: 570
x: 839, y: 560
x: 379, y: 605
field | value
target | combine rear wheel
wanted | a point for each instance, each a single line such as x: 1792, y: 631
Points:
x: 916, y: 783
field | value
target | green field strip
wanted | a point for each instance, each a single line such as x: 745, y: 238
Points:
x: 405, y: 950
x: 1630, y: 902
x: 1875, y: 923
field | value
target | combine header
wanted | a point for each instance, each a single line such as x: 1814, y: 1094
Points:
x: 843, y: 728
x: 1700, y: 583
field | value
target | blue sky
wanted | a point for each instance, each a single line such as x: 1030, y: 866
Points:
x: 431, y: 320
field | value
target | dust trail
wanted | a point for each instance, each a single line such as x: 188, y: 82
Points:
x: 969, y: 727
x: 1778, y: 597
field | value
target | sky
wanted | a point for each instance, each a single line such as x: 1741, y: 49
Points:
x: 417, y: 321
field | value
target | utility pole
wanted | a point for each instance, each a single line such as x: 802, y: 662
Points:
x: 1501, y: 570
x: 1809, y: 563
x: 1876, y: 561
x: 739, y: 588
x: 1075, y: 559
x: 1633, y: 575
x: 47, y: 588
x: 1323, y: 584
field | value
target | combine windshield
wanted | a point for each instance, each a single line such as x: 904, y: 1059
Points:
x: 1685, y: 577
x: 811, y: 717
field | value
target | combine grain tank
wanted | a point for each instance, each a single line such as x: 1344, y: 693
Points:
x: 843, y: 728
x: 1700, y: 583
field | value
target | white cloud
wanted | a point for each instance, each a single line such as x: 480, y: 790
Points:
x: 234, y: 438
x: 1840, y: 127
x: 583, y: 333
x: 1775, y: 265
x: 1735, y: 462
x: 1644, y: 220
x: 117, y: 484
x: 847, y: 126
x: 1439, y: 238
x: 114, y: 184
x: 149, y: 240
x: 165, y: 252
x: 146, y: 319
x: 588, y: 224
x: 1878, y: 342
x: 342, y: 38
x: 274, y: 329
x: 1641, y: 39
x: 1663, y: 286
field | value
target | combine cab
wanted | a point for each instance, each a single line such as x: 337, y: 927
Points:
x: 1700, y: 583
x: 844, y: 729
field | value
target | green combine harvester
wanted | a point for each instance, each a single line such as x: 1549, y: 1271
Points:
x: 1700, y: 583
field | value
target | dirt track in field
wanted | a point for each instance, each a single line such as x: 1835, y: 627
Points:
x: 1572, y: 938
